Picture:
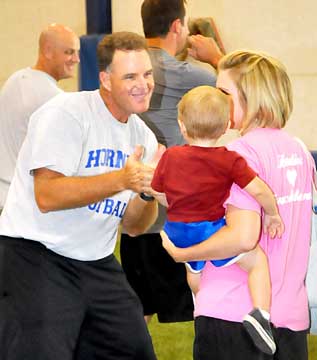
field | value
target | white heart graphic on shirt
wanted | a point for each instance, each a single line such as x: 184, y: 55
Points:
x: 291, y: 176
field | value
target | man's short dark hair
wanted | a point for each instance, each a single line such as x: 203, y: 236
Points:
x: 158, y: 15
x: 122, y: 40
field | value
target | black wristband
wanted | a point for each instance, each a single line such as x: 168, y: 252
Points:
x: 146, y: 197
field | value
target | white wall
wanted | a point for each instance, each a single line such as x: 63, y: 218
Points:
x: 284, y: 28
x: 21, y: 23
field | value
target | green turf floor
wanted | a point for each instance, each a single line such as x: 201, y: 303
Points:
x: 172, y: 341
x: 175, y: 341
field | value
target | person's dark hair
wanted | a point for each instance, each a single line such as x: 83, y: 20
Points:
x: 158, y: 15
x: 122, y: 40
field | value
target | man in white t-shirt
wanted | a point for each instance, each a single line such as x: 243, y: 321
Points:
x: 27, y: 89
x: 78, y: 177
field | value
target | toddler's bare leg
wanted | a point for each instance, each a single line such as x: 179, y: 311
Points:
x: 257, y: 322
x: 256, y: 265
x: 193, y: 280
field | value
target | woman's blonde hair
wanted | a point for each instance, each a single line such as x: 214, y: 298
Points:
x: 205, y: 112
x: 264, y: 88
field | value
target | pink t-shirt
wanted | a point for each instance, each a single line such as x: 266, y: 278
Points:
x: 282, y: 163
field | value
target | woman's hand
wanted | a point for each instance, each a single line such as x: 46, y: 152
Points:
x: 173, y: 251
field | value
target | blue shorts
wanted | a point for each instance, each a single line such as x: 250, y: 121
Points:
x: 187, y: 234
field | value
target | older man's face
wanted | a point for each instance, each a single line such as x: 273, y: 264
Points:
x: 130, y: 83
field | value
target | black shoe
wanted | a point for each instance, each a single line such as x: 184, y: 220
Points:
x: 260, y: 331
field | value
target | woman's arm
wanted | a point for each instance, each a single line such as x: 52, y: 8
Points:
x: 241, y: 234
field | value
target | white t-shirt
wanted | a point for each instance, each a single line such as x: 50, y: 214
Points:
x: 23, y: 93
x: 76, y: 135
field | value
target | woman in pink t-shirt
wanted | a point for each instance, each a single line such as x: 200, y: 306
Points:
x: 262, y: 99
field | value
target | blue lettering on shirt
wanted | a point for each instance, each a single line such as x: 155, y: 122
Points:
x: 109, y: 207
x: 112, y: 159
x: 106, y: 157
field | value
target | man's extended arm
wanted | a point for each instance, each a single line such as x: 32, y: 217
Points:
x: 55, y: 191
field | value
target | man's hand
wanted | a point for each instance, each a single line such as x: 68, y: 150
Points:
x: 149, y: 170
x: 157, y: 156
x: 204, y: 49
x: 134, y: 171
x: 138, y: 176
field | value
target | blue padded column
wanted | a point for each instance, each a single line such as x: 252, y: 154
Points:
x: 99, y: 23
x: 88, y: 69
x: 98, y: 14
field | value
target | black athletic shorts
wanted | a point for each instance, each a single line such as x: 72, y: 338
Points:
x: 56, y: 308
x: 217, y: 339
x: 157, y: 279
